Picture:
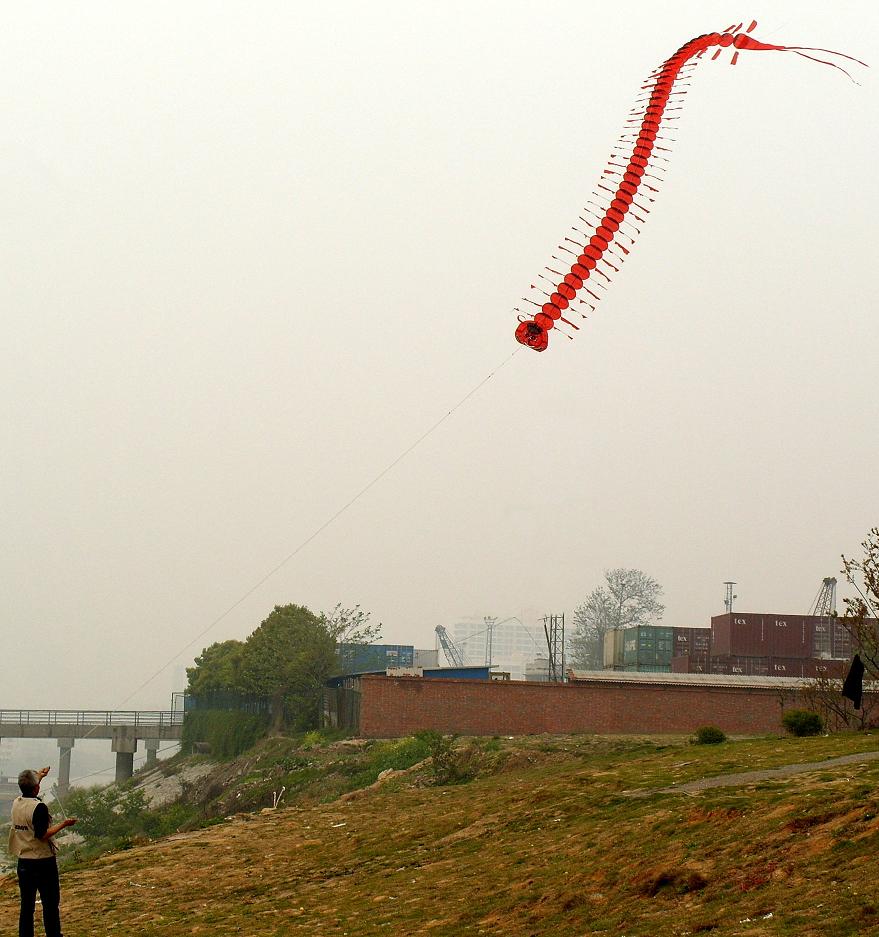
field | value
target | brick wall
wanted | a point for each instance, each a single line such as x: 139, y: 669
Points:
x: 397, y: 706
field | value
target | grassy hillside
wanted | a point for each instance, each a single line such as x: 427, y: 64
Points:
x: 556, y: 836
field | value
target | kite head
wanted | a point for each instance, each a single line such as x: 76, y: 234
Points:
x: 533, y: 335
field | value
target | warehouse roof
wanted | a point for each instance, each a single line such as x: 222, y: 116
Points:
x: 682, y: 679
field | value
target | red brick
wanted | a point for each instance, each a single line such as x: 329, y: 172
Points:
x: 397, y: 706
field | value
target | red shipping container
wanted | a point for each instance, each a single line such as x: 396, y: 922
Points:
x: 805, y: 667
x: 701, y: 639
x: 786, y: 666
x: 681, y: 642
x: 689, y: 664
x: 743, y: 666
x: 746, y: 634
x: 832, y: 669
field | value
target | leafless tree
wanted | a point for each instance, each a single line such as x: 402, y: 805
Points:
x: 629, y: 598
x: 824, y: 695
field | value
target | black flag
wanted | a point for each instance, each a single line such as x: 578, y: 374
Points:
x: 853, y: 688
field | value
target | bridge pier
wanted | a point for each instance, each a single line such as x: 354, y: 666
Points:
x: 152, y: 748
x: 124, y: 743
x: 66, y: 746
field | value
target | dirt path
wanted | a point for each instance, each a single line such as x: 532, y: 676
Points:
x: 745, y: 778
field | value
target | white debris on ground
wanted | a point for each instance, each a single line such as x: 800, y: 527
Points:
x: 160, y: 789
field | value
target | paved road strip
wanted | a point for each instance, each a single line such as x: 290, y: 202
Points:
x: 753, y: 777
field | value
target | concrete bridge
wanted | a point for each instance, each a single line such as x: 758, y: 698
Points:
x: 123, y: 729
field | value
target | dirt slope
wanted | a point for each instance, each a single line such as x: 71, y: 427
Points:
x: 552, y: 844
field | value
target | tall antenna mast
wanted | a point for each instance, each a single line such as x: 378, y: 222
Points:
x: 730, y: 598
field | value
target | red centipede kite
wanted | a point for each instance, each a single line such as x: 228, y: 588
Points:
x: 600, y: 252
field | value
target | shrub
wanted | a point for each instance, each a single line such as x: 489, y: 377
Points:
x: 449, y: 766
x: 802, y: 722
x: 113, y: 818
x: 228, y: 733
x: 709, y: 735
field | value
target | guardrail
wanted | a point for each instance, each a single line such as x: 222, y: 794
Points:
x: 90, y: 718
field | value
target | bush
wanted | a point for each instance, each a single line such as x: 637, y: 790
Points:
x: 709, y: 735
x: 228, y: 733
x: 114, y: 818
x: 802, y: 722
x: 448, y: 765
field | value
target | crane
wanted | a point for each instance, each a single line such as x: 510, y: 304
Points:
x: 825, y: 602
x: 824, y: 607
x: 450, y: 649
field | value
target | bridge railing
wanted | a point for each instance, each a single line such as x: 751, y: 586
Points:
x: 88, y: 718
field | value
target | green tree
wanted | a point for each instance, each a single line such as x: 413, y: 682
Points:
x: 629, y: 598
x: 218, y: 667
x: 288, y: 658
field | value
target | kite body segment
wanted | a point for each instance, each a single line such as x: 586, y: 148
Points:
x: 602, y: 250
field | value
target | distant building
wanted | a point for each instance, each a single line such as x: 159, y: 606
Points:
x: 537, y: 670
x: 513, y: 644
x: 427, y: 658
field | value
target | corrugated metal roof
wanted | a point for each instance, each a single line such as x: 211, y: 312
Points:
x: 684, y: 679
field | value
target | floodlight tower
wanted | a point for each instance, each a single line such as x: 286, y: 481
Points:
x: 730, y: 598
x: 489, y: 638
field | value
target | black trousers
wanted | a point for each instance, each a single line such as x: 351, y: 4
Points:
x: 39, y: 875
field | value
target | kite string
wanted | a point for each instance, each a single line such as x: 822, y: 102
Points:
x: 325, y: 524
x: 420, y: 439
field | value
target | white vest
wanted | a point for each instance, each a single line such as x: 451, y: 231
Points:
x: 22, y: 842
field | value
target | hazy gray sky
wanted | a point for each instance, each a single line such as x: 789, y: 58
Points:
x: 251, y: 251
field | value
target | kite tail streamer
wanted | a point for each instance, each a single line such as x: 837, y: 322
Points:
x: 625, y: 190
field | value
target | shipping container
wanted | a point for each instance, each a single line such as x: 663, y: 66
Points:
x: 687, y: 640
x: 359, y: 658
x: 648, y: 647
x: 746, y: 634
x: 737, y: 664
x: 613, y: 649
x: 689, y: 664
x: 832, y: 669
x: 806, y: 667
